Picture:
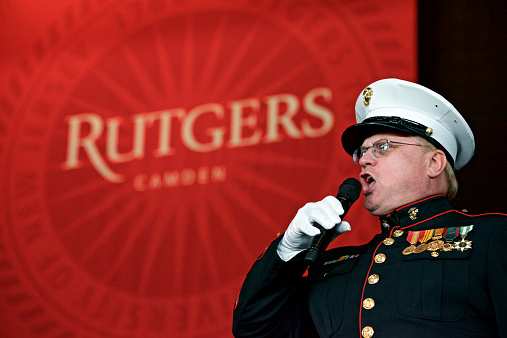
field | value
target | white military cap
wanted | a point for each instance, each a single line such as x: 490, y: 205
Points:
x: 398, y: 105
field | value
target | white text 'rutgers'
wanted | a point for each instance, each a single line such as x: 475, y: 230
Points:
x: 233, y: 125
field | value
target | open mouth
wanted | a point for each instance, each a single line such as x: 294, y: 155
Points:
x: 367, y: 181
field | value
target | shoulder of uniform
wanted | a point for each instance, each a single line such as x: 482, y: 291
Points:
x: 492, y: 215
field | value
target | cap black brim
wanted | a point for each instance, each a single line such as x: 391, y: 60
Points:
x: 354, y: 136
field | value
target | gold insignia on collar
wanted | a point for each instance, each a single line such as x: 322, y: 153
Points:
x: 412, y: 213
x: 367, y: 94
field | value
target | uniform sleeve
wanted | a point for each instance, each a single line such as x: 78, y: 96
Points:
x: 496, y: 270
x: 273, y: 301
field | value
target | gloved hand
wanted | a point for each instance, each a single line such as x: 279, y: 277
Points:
x: 300, y: 233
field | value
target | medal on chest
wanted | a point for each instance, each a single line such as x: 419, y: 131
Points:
x: 441, y: 240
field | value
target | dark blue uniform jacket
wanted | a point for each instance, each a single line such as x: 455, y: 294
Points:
x: 375, y: 290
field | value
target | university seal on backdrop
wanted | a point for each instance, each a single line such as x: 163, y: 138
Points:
x: 149, y: 146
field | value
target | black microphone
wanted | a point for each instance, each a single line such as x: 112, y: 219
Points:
x: 348, y: 193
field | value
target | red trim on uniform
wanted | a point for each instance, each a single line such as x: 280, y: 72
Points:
x: 305, y: 274
x: 488, y: 213
x: 364, y: 287
x: 448, y: 211
x: 427, y: 219
x: 415, y: 202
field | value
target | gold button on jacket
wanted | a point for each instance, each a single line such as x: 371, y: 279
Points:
x: 368, y: 303
x: 367, y: 332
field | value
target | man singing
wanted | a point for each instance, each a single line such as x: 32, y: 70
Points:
x: 432, y: 271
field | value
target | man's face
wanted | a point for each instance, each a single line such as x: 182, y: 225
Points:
x: 395, y: 179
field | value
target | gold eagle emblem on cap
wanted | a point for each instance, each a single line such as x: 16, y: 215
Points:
x: 367, y: 93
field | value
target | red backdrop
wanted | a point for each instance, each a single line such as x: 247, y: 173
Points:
x: 151, y: 150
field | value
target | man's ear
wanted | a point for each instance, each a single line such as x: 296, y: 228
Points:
x: 436, y: 163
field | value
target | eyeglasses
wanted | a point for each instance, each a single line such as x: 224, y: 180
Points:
x: 379, y: 148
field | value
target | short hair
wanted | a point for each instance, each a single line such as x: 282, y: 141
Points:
x: 452, y: 188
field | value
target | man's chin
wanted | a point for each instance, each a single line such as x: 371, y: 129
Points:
x: 376, y: 209
x: 372, y: 209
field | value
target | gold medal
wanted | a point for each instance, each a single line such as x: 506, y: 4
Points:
x: 447, y: 247
x: 426, y: 235
x: 421, y: 247
x: 440, y: 244
x: 412, y: 238
x: 435, y: 245
x: 408, y: 250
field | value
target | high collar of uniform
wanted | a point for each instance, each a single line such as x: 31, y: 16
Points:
x: 415, y: 212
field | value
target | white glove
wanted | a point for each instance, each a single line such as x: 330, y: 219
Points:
x: 300, y: 233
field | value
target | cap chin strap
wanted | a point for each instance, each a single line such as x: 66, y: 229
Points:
x: 396, y: 120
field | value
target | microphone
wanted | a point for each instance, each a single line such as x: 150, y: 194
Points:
x: 348, y: 193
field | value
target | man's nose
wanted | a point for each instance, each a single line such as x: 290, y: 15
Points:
x: 368, y: 158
